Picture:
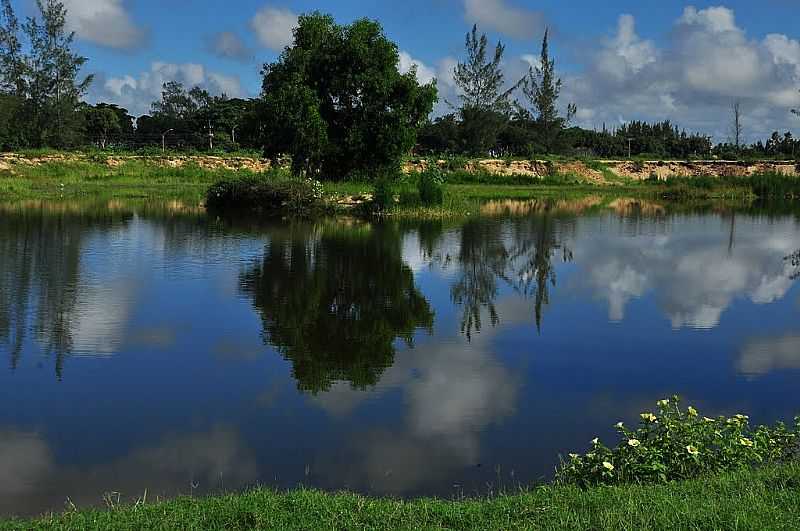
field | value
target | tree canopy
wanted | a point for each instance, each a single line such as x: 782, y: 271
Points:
x: 336, y: 102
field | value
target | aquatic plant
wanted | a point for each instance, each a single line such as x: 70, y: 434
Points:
x: 678, y: 444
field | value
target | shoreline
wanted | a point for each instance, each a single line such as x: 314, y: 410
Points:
x: 765, y: 498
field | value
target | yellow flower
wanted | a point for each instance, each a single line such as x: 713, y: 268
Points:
x: 692, y: 411
x: 595, y: 441
x: 573, y: 456
x: 708, y: 419
x: 607, y: 465
x: 745, y: 442
x: 634, y: 442
x: 648, y: 417
x: 619, y: 425
x: 663, y: 403
x: 692, y: 450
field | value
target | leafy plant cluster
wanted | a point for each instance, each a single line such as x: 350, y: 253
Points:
x: 677, y: 444
x: 269, y: 195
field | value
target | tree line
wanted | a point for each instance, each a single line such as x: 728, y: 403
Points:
x: 334, y: 101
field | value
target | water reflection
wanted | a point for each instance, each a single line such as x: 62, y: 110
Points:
x: 40, y: 262
x: 404, y: 358
x: 334, y: 298
x: 31, y: 476
x: 794, y: 259
x: 694, y: 276
x: 517, y: 253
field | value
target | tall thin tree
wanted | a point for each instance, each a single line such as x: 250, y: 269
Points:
x: 479, y: 78
x: 542, y: 88
x: 12, y: 61
x: 54, y: 88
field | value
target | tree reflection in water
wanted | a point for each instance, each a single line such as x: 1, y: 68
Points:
x: 40, y: 255
x: 334, y: 299
x: 794, y: 259
x: 517, y: 252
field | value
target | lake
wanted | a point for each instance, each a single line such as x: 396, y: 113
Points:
x: 148, y: 347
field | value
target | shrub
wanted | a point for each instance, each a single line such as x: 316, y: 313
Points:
x: 383, y: 193
x: 431, y: 187
x: 270, y: 197
x: 676, y: 444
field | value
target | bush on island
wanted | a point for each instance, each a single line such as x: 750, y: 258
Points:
x: 267, y: 197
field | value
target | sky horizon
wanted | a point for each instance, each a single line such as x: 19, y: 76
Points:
x: 631, y: 60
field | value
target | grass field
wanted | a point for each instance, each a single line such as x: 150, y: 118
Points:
x: 763, y: 499
x: 143, y: 179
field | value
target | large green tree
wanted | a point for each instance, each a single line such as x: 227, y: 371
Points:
x: 336, y: 102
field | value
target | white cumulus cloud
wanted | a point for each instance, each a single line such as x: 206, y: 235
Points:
x: 274, y: 26
x: 499, y: 15
x: 104, y: 22
x: 136, y: 93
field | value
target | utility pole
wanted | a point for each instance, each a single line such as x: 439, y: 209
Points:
x: 630, y: 139
x: 210, y: 137
x: 737, y: 125
x: 164, y: 140
x: 233, y: 134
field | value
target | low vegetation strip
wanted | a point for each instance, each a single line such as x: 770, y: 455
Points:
x: 768, y: 498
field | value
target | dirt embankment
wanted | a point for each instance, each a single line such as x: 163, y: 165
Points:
x: 666, y: 169
x: 623, y: 170
x: 10, y: 161
x: 535, y: 169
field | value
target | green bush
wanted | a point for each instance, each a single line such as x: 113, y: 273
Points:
x: 431, y: 187
x: 266, y: 196
x: 678, y: 444
x: 383, y: 193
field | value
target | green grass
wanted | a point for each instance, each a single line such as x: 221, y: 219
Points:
x: 141, y: 178
x: 761, y: 499
x: 134, y: 178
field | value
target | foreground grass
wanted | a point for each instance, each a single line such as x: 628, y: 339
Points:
x: 762, y: 499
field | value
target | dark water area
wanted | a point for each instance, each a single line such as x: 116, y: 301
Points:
x: 149, y: 347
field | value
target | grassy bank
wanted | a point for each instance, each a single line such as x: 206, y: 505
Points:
x: 142, y: 178
x: 763, y: 499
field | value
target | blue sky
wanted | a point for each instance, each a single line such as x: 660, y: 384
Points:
x: 620, y: 60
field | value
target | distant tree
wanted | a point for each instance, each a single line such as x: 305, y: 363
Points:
x: 442, y: 135
x: 12, y: 60
x: 485, y: 103
x: 336, y: 102
x: 54, y: 89
x: 175, y: 104
x: 542, y: 88
x: 102, y: 122
x: 13, y: 125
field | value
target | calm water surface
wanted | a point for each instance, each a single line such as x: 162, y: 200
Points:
x: 149, y: 347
